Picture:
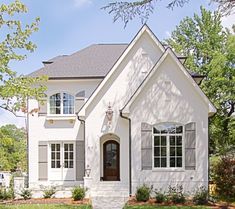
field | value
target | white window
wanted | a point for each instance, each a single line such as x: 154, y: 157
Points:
x: 168, y: 146
x: 61, y: 103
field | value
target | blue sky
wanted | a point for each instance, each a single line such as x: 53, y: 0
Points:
x: 67, y: 26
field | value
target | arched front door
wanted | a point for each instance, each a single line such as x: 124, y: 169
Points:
x: 111, y: 161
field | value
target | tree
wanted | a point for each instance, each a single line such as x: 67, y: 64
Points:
x: 126, y: 11
x: 15, y: 38
x: 211, y: 52
x: 12, y: 148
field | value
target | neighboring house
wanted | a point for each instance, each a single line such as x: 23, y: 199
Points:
x: 116, y: 116
x: 5, y: 178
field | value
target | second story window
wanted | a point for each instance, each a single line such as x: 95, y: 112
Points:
x: 61, y: 103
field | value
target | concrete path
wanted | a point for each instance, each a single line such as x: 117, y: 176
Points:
x: 104, y: 202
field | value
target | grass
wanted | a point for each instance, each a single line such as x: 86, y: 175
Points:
x: 45, y: 206
x: 163, y: 207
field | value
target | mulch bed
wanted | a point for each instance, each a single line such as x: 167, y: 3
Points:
x: 67, y: 201
x: 220, y: 205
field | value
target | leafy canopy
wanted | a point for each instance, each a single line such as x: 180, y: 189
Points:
x: 211, y: 52
x: 14, y: 43
x: 128, y: 10
x: 12, y: 148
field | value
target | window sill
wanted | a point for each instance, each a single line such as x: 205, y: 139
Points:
x: 61, y: 117
x: 168, y: 170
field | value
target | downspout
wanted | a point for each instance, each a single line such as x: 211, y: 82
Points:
x: 130, y: 174
x: 84, y: 131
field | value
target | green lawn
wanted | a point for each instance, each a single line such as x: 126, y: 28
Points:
x: 42, y: 206
x: 163, y: 207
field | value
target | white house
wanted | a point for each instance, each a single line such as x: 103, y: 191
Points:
x: 116, y: 116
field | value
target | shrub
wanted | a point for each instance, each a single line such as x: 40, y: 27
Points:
x: 176, y: 194
x: 201, y: 196
x: 49, y: 192
x: 160, y: 197
x: 6, y: 194
x: 143, y: 193
x: 224, y: 177
x: 26, y: 194
x: 78, y: 193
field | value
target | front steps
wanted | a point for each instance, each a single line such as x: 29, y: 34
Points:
x: 109, y: 195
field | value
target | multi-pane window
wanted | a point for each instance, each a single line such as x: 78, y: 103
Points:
x: 168, y: 146
x: 61, y: 103
x: 55, y: 156
x: 68, y: 155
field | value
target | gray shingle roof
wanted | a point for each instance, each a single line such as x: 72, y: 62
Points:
x: 93, y: 61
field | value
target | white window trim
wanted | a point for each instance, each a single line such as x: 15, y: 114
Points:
x: 168, y: 168
x: 61, y: 105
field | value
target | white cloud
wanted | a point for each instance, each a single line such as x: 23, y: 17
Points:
x: 228, y: 21
x: 82, y: 3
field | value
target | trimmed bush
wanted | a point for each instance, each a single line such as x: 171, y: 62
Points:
x: 49, y: 192
x: 176, y: 194
x: 143, y: 193
x: 224, y: 177
x: 78, y: 193
x: 201, y: 196
x: 160, y: 197
x: 6, y: 194
x: 26, y: 194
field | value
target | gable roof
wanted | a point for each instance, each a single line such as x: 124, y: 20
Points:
x: 169, y: 52
x: 93, y: 61
x: 144, y: 29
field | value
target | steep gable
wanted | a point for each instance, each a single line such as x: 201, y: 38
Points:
x: 169, y: 54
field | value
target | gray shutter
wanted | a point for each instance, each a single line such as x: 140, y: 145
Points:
x: 42, y: 160
x: 146, y: 146
x: 79, y: 100
x: 42, y: 105
x: 190, y: 146
x: 80, y: 160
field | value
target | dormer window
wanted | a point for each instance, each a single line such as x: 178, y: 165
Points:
x: 61, y: 103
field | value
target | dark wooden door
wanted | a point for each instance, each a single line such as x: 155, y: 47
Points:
x: 111, y: 161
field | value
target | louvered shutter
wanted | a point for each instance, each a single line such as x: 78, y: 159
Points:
x: 79, y: 100
x: 190, y: 146
x: 146, y: 146
x: 42, y: 105
x: 42, y: 160
x: 80, y: 160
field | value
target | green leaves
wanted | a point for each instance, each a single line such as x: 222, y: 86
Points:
x: 15, y: 90
x: 211, y: 52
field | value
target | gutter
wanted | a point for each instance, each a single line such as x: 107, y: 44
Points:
x: 130, y: 174
x: 84, y: 131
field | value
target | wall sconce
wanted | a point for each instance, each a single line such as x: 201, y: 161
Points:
x: 87, y: 171
x: 109, y: 113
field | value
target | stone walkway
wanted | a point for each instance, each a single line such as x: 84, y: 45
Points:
x: 104, y: 202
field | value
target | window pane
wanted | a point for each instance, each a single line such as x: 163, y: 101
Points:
x: 179, y: 140
x: 66, y: 155
x: 66, y: 164
x: 55, y: 102
x: 58, y: 147
x: 163, y: 140
x: 179, y: 129
x: 57, y: 164
x: 68, y: 104
x: 71, y: 155
x: 172, y: 151
x: 179, y: 151
x: 53, y: 147
x: 66, y: 147
x: 71, y: 147
x: 163, y: 151
x: 57, y: 155
x: 156, y: 131
x: 52, y: 164
x: 179, y: 162
x: 172, y: 140
x: 156, y: 151
x: 156, y: 140
x: 70, y: 164
x: 163, y: 162
x: 52, y: 155
x: 172, y: 162
x: 157, y: 162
